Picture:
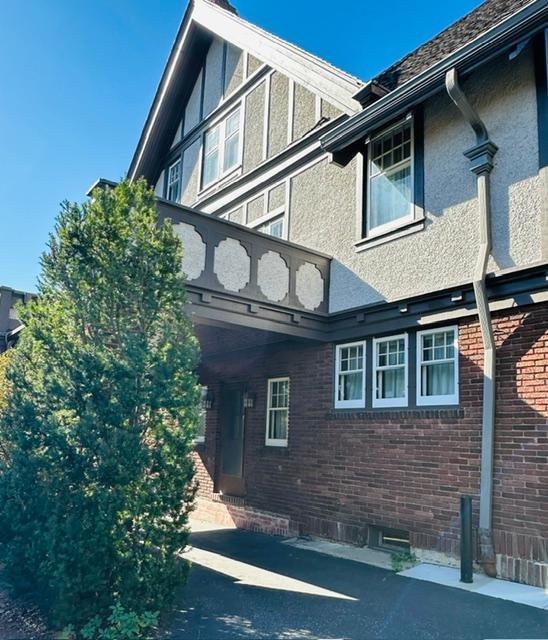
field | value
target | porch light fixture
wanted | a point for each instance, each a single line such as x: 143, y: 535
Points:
x: 249, y: 400
x: 208, y: 400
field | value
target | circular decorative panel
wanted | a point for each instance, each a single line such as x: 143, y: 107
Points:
x: 309, y: 286
x: 194, y: 250
x: 232, y: 265
x: 273, y: 276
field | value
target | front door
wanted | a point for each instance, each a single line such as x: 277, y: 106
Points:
x: 232, y: 415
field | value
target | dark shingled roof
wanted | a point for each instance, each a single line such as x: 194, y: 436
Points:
x: 465, y: 30
x: 225, y: 4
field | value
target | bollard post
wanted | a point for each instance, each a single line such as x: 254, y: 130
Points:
x: 466, y: 574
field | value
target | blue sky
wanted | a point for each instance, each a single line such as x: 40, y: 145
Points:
x: 77, y: 78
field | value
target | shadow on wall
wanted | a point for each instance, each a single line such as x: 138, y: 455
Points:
x: 347, y: 290
x: 392, y: 453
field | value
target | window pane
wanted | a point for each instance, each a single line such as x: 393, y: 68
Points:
x: 278, y: 424
x: 351, y: 386
x: 211, y: 167
x: 211, y: 140
x: 232, y: 123
x: 390, y: 196
x: 173, y: 192
x: 231, y: 152
x: 438, y: 379
x: 200, y: 431
x: 391, y: 383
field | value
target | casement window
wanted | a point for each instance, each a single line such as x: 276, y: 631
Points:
x: 174, y: 181
x: 277, y: 414
x: 222, y: 149
x: 201, y: 430
x: 390, y: 371
x: 274, y: 227
x: 437, y: 366
x: 350, y: 376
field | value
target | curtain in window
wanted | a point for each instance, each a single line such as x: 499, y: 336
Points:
x: 440, y: 379
x: 351, y: 386
x: 390, y: 196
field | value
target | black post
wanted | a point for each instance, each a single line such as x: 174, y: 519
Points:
x: 466, y: 574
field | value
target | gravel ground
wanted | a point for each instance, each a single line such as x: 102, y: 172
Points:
x: 19, y: 618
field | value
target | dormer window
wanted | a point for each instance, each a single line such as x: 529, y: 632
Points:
x: 174, y: 181
x: 222, y: 149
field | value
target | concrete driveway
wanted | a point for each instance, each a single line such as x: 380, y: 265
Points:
x: 248, y: 585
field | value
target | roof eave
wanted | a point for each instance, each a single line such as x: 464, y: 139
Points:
x: 491, y: 43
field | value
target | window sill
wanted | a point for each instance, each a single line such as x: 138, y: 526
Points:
x: 224, y: 179
x: 405, y: 229
x: 396, y: 413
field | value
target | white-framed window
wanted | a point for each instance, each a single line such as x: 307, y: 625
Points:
x: 222, y: 149
x: 274, y: 227
x: 438, y: 366
x: 174, y: 181
x: 350, y: 375
x: 390, y: 179
x: 277, y: 412
x: 390, y: 371
x: 201, y: 430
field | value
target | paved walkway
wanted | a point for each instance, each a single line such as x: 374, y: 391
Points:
x: 247, y: 585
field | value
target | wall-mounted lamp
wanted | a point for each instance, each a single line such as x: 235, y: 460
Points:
x: 208, y: 399
x: 249, y: 400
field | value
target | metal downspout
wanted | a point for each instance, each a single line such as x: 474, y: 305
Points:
x: 481, y: 158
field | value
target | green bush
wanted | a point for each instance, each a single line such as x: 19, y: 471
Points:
x: 98, y: 482
x: 403, y: 560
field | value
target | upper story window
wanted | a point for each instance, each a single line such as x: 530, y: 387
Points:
x: 437, y: 366
x: 350, y: 375
x: 393, y: 181
x: 174, y: 182
x: 274, y: 227
x: 277, y: 414
x: 390, y: 176
x: 222, y: 149
x: 390, y: 371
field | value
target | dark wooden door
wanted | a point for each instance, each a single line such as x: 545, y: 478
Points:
x: 231, y: 477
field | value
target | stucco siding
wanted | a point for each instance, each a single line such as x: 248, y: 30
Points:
x: 276, y: 197
x: 189, y: 187
x: 234, y: 71
x: 304, y: 112
x: 443, y: 254
x: 255, y: 209
x: 192, y: 109
x: 329, y: 111
x: 254, y: 128
x: 279, y: 105
x: 253, y: 64
x: 213, y: 85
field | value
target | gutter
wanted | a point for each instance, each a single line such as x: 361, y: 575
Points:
x: 490, y: 44
x: 481, y: 158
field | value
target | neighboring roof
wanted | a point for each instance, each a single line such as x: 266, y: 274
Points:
x: 487, y: 15
x: 202, y: 20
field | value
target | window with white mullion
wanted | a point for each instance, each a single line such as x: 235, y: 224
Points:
x: 390, y: 178
x: 174, y: 182
x: 350, y: 376
x: 437, y: 366
x: 390, y: 371
x: 277, y: 419
x: 222, y: 149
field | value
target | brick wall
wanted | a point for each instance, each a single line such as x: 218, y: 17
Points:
x: 345, y: 470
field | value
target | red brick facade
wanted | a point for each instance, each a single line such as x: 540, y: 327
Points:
x: 403, y: 468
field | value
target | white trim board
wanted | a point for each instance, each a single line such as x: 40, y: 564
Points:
x: 483, y: 585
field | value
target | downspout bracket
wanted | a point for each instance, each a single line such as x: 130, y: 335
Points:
x: 481, y: 157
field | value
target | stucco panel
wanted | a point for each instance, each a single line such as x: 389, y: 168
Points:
x: 234, y: 73
x: 237, y: 215
x: 273, y: 276
x: 276, y: 197
x: 255, y: 209
x: 329, y: 111
x: 159, y: 189
x: 253, y: 64
x: 254, y: 128
x: 213, y: 85
x: 192, y: 109
x: 189, y: 187
x: 277, y: 122
x: 194, y: 250
x: 304, y: 112
x: 443, y: 254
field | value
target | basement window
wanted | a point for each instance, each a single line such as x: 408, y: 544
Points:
x: 388, y: 539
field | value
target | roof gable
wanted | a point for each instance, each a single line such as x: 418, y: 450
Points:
x: 203, y: 20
